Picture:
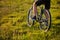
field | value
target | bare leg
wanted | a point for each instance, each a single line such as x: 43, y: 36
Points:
x: 34, y: 9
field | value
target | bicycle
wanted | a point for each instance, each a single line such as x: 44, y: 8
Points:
x: 44, y: 23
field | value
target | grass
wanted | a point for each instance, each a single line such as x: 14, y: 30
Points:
x: 13, y: 21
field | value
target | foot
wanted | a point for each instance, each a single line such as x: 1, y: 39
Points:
x: 34, y: 18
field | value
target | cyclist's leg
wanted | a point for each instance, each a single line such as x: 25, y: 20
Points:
x: 35, y: 4
x: 47, y: 7
x: 34, y: 8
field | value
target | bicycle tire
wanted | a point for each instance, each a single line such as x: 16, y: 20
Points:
x: 30, y: 16
x: 42, y: 12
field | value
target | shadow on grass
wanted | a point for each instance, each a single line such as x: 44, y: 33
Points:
x: 56, y: 29
x: 58, y: 17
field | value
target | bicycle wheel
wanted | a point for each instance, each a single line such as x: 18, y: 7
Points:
x: 30, y: 15
x: 45, y: 20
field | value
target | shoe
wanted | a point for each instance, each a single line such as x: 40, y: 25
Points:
x: 34, y: 18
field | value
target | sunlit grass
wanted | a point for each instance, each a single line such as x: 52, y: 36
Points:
x: 13, y: 24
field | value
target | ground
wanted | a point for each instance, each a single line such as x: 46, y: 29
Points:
x: 13, y: 21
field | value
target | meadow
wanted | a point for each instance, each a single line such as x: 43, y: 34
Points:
x: 13, y: 21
